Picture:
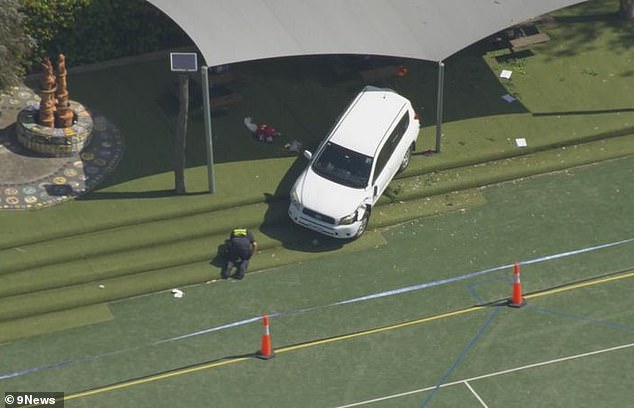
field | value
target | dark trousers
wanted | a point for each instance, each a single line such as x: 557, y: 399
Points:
x: 242, y: 265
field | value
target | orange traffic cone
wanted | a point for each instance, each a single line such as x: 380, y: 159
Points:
x: 266, y: 350
x: 517, y: 300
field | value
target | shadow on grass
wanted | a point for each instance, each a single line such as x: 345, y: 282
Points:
x: 513, y: 56
x: 589, y: 18
x: 584, y: 112
x: 590, y: 26
x: 278, y: 226
x: 104, y: 195
x: 301, y: 96
x: 218, y: 259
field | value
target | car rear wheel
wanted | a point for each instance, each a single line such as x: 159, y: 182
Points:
x: 406, y: 158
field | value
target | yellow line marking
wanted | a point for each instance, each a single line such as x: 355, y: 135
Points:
x: 380, y: 329
x: 153, y: 378
x: 580, y: 285
x: 176, y: 373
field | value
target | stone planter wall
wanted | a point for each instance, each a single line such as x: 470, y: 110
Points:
x: 57, y: 142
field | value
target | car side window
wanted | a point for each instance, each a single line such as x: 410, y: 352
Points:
x: 390, y: 145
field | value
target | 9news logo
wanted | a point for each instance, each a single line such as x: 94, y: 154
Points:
x: 33, y: 399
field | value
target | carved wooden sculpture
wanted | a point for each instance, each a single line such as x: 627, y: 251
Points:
x: 47, y: 93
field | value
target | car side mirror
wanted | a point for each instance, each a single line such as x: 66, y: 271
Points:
x: 308, y: 154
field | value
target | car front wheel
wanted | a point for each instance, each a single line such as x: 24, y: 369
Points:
x: 406, y: 158
x: 364, y: 224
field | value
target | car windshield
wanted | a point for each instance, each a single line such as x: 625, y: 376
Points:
x: 343, y: 166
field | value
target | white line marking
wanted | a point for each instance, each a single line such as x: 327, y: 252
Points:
x: 475, y: 394
x: 544, y: 363
x: 440, y: 282
x: 371, y: 401
x: 494, y: 374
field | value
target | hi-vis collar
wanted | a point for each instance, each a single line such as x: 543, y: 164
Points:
x: 239, y: 232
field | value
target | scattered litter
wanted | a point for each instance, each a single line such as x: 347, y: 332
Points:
x: 177, y: 293
x: 509, y: 98
x: 506, y: 74
x: 293, y: 146
x: 101, y: 286
x: 520, y: 142
x: 262, y: 132
x: 248, y: 122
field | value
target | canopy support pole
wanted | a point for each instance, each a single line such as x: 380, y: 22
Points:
x: 439, y: 107
x: 207, y: 115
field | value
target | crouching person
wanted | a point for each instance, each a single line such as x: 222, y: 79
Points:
x: 240, y: 247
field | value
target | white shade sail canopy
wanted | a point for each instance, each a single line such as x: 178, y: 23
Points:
x: 228, y: 31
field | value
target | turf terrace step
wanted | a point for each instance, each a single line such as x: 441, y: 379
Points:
x: 148, y: 281
x: 199, y: 225
x: 185, y: 262
x: 136, y: 237
x: 203, y: 249
x: 173, y: 210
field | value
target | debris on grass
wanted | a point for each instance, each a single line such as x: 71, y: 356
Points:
x: 177, y: 293
x: 509, y: 98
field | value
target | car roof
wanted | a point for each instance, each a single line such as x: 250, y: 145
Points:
x: 367, y: 120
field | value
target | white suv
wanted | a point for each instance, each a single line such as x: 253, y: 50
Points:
x: 371, y: 142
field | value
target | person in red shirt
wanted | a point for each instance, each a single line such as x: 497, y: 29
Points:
x: 266, y: 133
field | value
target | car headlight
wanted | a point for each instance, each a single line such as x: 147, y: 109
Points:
x: 348, y: 219
x: 294, y: 198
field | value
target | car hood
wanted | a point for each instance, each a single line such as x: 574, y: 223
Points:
x: 327, y: 197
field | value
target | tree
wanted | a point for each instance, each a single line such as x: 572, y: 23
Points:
x: 89, y: 31
x: 627, y: 9
x: 15, y: 44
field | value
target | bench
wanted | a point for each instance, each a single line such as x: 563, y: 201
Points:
x: 224, y: 101
x: 214, y: 79
x: 528, y: 40
x: 374, y: 74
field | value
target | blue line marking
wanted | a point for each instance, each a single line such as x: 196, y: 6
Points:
x: 392, y: 292
x: 604, y: 323
x: 479, y: 273
x: 473, y: 287
x: 461, y: 357
x: 66, y: 363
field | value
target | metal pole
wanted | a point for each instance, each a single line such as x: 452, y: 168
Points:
x: 207, y: 114
x: 439, y: 113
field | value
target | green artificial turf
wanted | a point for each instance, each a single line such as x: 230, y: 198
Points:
x: 521, y: 220
x: 133, y: 236
x: 574, y: 107
x: 54, y: 321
